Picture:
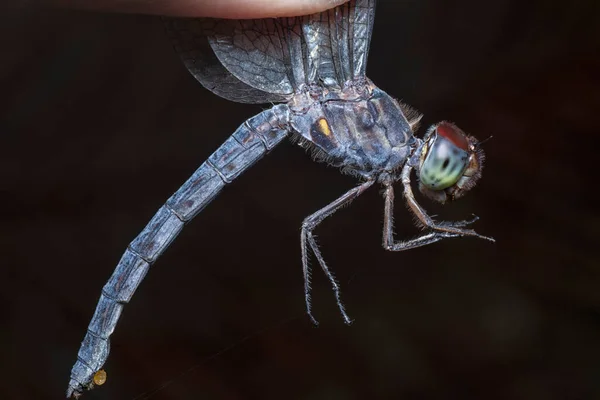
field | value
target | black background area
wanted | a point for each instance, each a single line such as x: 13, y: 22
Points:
x: 100, y: 122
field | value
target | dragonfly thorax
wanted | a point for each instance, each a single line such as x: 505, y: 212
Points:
x: 366, y: 136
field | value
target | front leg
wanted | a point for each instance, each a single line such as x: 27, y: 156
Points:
x: 307, y: 238
x: 448, y: 229
x: 389, y: 242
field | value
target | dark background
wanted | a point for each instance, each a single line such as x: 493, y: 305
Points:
x: 100, y: 123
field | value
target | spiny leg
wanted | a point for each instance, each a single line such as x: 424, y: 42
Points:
x: 307, y: 237
x: 389, y: 242
x: 451, y: 229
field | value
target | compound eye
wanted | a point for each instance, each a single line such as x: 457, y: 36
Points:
x: 446, y: 158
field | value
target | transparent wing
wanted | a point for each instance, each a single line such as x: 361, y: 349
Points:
x: 338, y: 43
x: 191, y: 43
x: 267, y: 60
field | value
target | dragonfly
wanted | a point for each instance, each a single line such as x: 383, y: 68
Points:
x: 312, y: 68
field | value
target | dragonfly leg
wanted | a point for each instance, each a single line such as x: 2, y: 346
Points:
x: 444, y: 229
x: 307, y: 239
x: 389, y: 243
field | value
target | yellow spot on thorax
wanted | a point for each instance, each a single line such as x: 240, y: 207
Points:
x: 324, y: 127
x: 100, y: 378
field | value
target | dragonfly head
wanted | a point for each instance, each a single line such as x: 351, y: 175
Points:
x: 450, y: 162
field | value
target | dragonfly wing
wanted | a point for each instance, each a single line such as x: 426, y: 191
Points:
x: 268, y: 60
x: 255, y: 51
x: 337, y: 43
x: 362, y: 21
x: 191, y: 43
x: 280, y: 55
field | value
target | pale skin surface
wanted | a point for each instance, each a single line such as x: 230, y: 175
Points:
x: 235, y: 9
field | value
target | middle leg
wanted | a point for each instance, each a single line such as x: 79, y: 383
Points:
x: 450, y: 229
x: 390, y: 244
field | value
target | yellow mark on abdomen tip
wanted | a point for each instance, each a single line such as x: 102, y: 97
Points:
x: 100, y: 377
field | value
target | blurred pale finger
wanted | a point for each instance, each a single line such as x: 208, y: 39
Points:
x: 206, y: 8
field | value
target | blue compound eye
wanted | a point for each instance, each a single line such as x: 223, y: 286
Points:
x: 446, y: 158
